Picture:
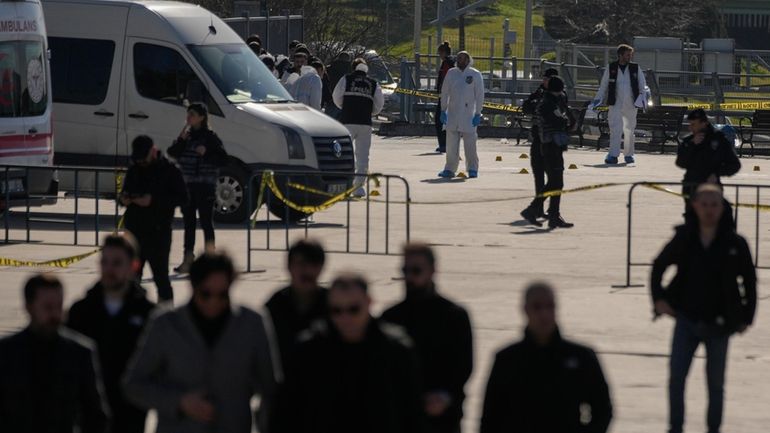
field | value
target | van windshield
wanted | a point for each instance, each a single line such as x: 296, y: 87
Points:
x: 239, y: 74
x: 23, y: 83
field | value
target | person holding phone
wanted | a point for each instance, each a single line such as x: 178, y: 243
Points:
x: 200, y: 153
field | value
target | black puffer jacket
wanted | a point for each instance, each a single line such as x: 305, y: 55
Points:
x: 714, y: 155
x: 163, y: 181
x: 196, y: 168
x: 716, y: 285
x: 115, y: 337
x: 536, y: 389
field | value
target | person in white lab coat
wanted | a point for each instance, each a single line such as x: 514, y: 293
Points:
x: 308, y: 87
x: 359, y: 97
x: 623, y: 90
x: 462, y: 97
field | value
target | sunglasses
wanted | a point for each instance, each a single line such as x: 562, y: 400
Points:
x: 207, y: 295
x: 352, y: 310
x: 412, y: 270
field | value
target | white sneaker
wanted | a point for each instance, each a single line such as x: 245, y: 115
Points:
x: 359, y: 193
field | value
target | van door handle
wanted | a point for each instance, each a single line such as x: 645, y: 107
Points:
x: 138, y: 116
x: 33, y: 131
x: 104, y: 113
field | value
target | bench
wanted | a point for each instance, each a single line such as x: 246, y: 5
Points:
x: 758, y: 124
x: 664, y: 122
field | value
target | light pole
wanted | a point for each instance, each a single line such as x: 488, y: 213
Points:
x: 528, y: 30
x: 417, y: 24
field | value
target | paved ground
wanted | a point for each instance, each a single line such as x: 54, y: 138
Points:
x: 487, y: 255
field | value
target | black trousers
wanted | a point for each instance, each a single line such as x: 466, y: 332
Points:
x: 538, y: 165
x: 154, y: 248
x: 553, y: 159
x: 201, y: 204
x: 440, y: 132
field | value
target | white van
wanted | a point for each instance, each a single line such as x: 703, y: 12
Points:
x: 25, y: 104
x: 123, y: 68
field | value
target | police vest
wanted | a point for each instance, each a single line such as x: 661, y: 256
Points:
x: 633, y: 69
x: 359, y: 99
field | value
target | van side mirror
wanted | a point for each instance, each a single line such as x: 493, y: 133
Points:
x: 194, y: 92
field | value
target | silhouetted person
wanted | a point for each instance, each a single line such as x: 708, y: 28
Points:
x: 706, y: 155
x: 544, y: 383
x: 442, y: 335
x: 200, y: 365
x: 294, y: 308
x: 712, y: 296
x: 447, y: 63
x: 352, y: 374
x: 152, y: 190
x: 113, y: 314
x: 49, y: 378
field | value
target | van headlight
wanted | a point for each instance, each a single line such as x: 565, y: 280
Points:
x: 294, y: 143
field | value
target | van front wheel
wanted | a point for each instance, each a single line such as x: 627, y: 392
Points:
x: 231, y: 194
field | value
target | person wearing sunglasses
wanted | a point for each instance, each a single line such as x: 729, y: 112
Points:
x: 441, y: 331
x: 113, y: 314
x: 352, y: 373
x: 545, y: 383
x: 294, y: 308
x: 200, y: 365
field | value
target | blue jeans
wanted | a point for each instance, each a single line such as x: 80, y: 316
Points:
x: 687, y: 337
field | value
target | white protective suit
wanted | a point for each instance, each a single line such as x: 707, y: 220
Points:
x: 462, y: 97
x: 622, y: 115
x: 308, y: 87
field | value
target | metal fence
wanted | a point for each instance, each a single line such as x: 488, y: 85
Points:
x: 88, y: 183
x: 276, y: 31
x: 371, y: 225
x: 741, y: 197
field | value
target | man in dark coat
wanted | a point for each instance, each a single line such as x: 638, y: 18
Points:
x: 441, y: 331
x: 713, y: 295
x: 113, y: 314
x: 152, y: 190
x: 447, y: 63
x: 293, y: 309
x: 49, y: 379
x: 706, y: 155
x: 352, y: 374
x: 535, y: 151
x: 544, y: 383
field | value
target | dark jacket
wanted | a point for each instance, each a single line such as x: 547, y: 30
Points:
x: 289, y: 322
x: 446, y: 65
x: 196, y: 168
x: 50, y: 386
x: 441, y: 331
x: 116, y: 338
x: 706, y: 286
x: 336, y: 387
x: 326, y: 92
x: 714, y: 155
x: 553, y: 116
x: 530, y: 104
x: 163, y: 181
x: 534, y: 389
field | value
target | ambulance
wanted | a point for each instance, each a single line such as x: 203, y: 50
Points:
x: 123, y: 68
x: 25, y: 105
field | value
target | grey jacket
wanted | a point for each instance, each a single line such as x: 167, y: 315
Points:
x: 173, y: 359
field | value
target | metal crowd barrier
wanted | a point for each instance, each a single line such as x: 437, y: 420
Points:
x: 90, y: 187
x: 754, y: 204
x: 292, y: 186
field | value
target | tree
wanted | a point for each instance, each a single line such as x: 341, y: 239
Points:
x: 618, y: 21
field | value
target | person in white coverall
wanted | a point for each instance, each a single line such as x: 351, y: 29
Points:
x: 462, y: 97
x: 359, y: 97
x: 623, y: 90
x: 308, y: 87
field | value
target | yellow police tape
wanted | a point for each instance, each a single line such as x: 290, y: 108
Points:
x: 428, y: 95
x: 56, y: 263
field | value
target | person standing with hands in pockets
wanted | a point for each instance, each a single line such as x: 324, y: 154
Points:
x: 200, y: 153
x: 462, y: 97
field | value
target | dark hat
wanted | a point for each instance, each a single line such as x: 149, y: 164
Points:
x: 550, y: 72
x: 293, y: 44
x: 140, y: 147
x: 555, y: 84
x: 302, y: 48
x: 199, y: 109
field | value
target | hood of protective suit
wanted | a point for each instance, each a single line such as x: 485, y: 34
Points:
x: 308, y: 70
